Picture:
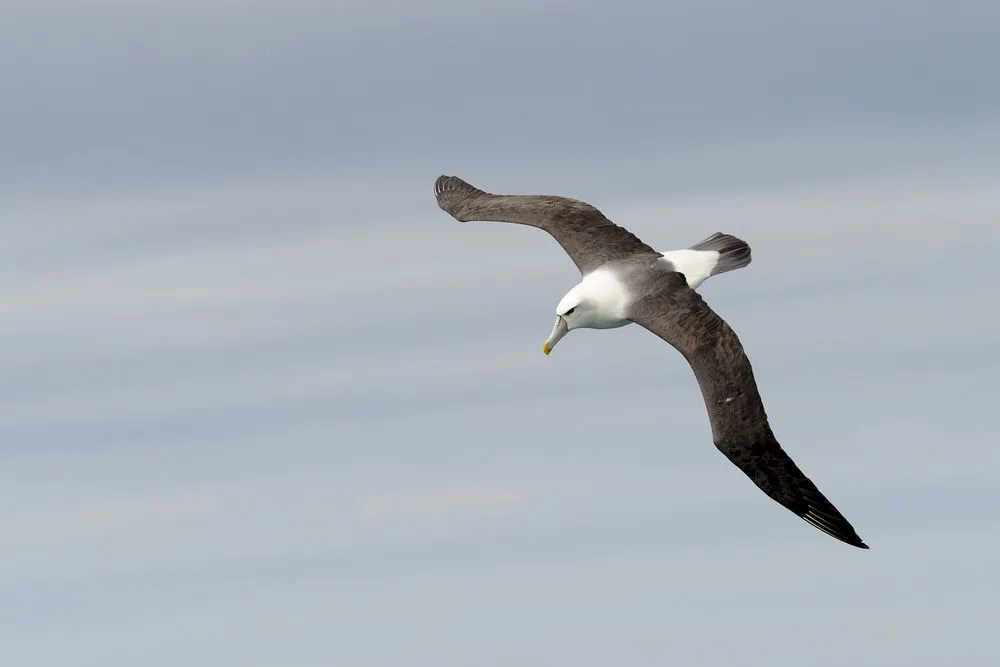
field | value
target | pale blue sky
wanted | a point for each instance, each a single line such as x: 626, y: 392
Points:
x: 265, y: 404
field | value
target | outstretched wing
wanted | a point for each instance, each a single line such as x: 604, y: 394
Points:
x: 740, y: 430
x: 589, y: 238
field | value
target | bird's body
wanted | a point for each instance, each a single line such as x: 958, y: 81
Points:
x: 624, y: 281
x: 611, y: 287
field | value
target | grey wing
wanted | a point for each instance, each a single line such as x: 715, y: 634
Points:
x: 589, y: 238
x: 740, y: 429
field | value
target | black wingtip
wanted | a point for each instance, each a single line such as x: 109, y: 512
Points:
x: 442, y: 184
x: 850, y: 540
x: 833, y: 523
x: 445, y: 184
x: 854, y: 541
x: 453, y: 195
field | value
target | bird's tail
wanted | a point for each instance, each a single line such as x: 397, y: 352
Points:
x: 734, y: 253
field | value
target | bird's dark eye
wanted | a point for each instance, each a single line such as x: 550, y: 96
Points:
x: 571, y: 310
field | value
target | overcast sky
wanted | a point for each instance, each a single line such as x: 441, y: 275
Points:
x: 265, y: 404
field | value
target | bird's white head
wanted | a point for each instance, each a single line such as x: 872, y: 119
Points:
x: 595, y: 303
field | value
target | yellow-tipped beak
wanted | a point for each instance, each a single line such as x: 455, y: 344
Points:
x: 558, y: 331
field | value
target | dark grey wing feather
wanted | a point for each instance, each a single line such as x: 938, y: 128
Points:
x: 740, y: 429
x: 589, y: 238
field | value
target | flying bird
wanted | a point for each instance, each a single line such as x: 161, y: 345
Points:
x: 624, y: 281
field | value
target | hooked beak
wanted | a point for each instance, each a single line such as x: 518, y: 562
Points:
x: 558, y: 331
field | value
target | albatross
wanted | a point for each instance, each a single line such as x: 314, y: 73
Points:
x: 625, y: 281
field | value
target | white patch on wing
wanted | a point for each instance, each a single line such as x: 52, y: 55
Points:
x: 696, y: 265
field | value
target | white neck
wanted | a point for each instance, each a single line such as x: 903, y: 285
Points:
x: 606, y: 300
